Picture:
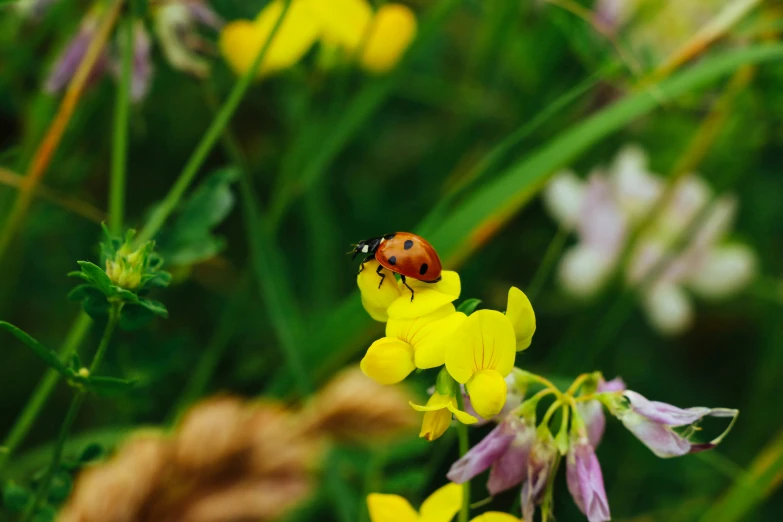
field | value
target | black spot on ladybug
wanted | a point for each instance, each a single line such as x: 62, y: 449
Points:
x: 423, y: 269
x: 393, y: 260
x: 408, y: 244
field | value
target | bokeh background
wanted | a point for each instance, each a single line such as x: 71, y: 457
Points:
x: 455, y: 143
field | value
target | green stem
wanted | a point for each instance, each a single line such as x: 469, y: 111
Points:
x: 44, y: 389
x: 120, y: 141
x: 169, y: 203
x: 462, y: 432
x: 43, y: 489
x: 70, y: 417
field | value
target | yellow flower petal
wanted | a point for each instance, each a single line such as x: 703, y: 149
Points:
x: 388, y: 361
x: 462, y: 416
x: 487, y: 390
x: 495, y: 516
x: 430, y: 343
x: 393, y: 29
x: 343, y: 22
x: 443, y: 504
x: 427, y: 298
x: 428, y: 334
x: 242, y: 40
x: 520, y: 312
x: 435, y: 423
x: 390, y: 508
x: 485, y: 340
x: 377, y: 300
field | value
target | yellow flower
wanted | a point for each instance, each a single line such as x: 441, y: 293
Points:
x: 441, y: 506
x: 410, y: 344
x: 393, y: 29
x: 441, y: 405
x: 349, y: 25
x: 480, y: 355
x: 520, y: 312
x: 392, y: 299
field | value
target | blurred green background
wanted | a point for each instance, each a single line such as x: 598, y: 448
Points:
x: 337, y: 155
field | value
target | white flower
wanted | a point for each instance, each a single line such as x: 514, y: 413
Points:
x: 604, y: 209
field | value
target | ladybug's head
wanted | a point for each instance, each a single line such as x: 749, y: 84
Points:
x: 366, y: 247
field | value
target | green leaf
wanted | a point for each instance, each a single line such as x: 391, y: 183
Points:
x: 190, y: 239
x: 135, y: 316
x: 156, y: 280
x: 45, y: 514
x: 97, y: 276
x: 82, y: 292
x: 47, y: 355
x: 96, y: 305
x: 15, y: 497
x: 156, y: 307
x: 93, y: 451
x: 468, y: 306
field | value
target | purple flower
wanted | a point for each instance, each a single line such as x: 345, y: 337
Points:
x: 141, y: 72
x: 592, y: 412
x: 586, y: 482
x: 68, y: 62
x: 510, y: 468
x: 485, y: 453
x: 539, y: 466
x: 652, y: 423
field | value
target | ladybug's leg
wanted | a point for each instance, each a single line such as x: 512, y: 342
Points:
x: 402, y: 278
x: 383, y: 276
x: 368, y: 258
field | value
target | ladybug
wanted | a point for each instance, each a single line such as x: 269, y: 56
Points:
x: 403, y: 253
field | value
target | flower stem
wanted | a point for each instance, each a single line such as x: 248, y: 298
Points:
x: 120, y: 141
x: 70, y: 417
x: 462, y: 432
x: 44, y: 389
x: 169, y: 203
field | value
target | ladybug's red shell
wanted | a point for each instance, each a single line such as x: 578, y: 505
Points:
x: 410, y: 255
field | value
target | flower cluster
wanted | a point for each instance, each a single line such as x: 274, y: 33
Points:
x: 375, y: 40
x: 476, y: 350
x: 522, y: 451
x: 605, y: 209
x: 175, y: 24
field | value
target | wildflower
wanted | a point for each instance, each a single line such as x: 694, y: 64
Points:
x: 481, y: 354
x: 392, y: 298
x: 441, y: 506
x: 441, y: 405
x: 505, y: 450
x: 585, y: 480
x: 176, y: 23
x: 652, y: 423
x: 410, y: 344
x: 603, y: 211
x: 376, y: 41
x: 540, y: 464
x: 592, y: 412
x: 66, y: 65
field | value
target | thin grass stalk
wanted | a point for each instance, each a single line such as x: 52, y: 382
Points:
x: 46, y: 150
x: 119, y: 159
x: 207, y: 143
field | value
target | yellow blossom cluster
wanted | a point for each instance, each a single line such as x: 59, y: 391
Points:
x: 376, y: 40
x: 476, y: 350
